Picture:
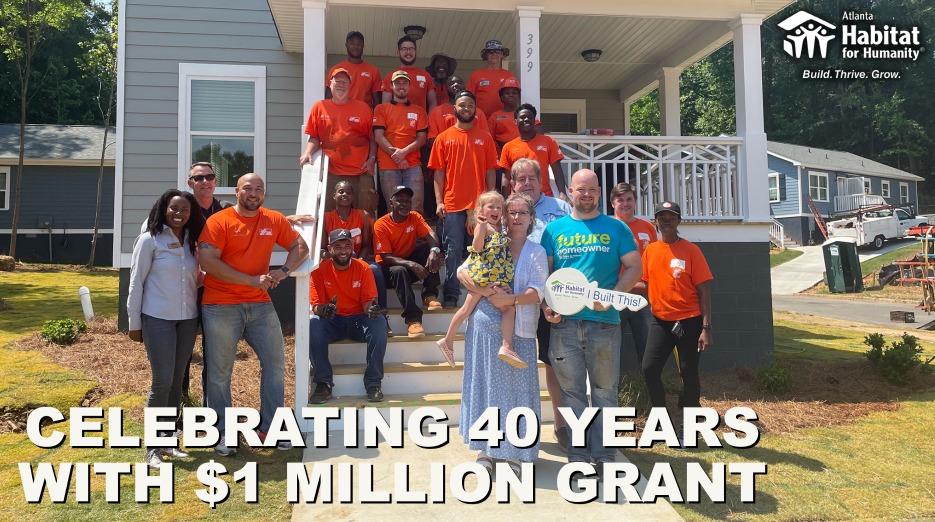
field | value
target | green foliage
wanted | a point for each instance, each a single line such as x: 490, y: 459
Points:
x: 631, y: 392
x: 774, y: 379
x: 62, y: 331
x: 644, y: 115
x: 899, y: 361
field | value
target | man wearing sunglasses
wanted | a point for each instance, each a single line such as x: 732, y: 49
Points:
x: 202, y: 181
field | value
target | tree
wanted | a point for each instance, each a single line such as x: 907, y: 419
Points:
x: 24, y: 25
x: 100, y: 63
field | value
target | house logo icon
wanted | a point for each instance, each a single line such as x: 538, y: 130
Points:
x: 804, y: 30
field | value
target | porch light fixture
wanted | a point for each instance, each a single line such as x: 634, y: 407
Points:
x: 416, y: 32
x: 591, y: 55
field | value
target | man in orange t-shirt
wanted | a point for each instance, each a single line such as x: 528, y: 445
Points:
x: 343, y: 297
x: 463, y: 158
x: 679, y: 289
x: 399, y: 129
x: 623, y: 199
x: 340, y: 127
x: 366, y: 83
x: 535, y: 146
x: 422, y: 89
x: 443, y: 115
x: 486, y: 83
x: 407, y: 250
x: 502, y: 123
x: 234, y: 249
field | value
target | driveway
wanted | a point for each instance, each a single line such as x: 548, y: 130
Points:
x: 804, y: 271
x: 857, y: 310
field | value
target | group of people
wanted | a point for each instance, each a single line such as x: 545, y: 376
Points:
x: 196, y: 261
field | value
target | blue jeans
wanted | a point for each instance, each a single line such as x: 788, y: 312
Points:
x: 381, y: 284
x: 410, y: 178
x: 633, y: 346
x: 169, y: 347
x: 359, y: 328
x: 453, y: 237
x: 258, y: 324
x: 587, y: 349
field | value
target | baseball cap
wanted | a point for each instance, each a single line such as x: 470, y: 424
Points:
x: 399, y: 74
x: 668, y: 206
x: 339, y: 234
x: 509, y: 83
x: 403, y: 188
x: 340, y: 70
x: 354, y: 34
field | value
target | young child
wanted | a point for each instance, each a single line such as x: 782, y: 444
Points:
x: 489, y: 264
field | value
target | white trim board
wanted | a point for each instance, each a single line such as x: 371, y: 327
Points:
x: 126, y: 260
x: 67, y: 231
x: 58, y: 162
x: 118, y: 158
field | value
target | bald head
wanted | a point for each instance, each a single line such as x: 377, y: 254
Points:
x: 584, y: 177
x: 251, y: 192
x: 585, y: 193
x: 251, y: 178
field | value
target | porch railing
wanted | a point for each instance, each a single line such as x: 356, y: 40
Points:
x: 849, y: 202
x: 699, y: 173
x: 777, y: 234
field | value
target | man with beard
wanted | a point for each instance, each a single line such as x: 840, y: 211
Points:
x: 399, y: 129
x: 365, y: 77
x: 586, y: 346
x: 235, y: 249
x: 407, y: 250
x: 538, y: 147
x: 443, y: 115
x: 486, y: 83
x: 344, y: 306
x: 422, y: 88
x: 463, y: 158
x: 441, y: 67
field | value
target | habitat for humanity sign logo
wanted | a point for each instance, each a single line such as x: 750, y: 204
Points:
x: 806, y: 31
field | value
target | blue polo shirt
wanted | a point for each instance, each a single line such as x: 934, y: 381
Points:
x: 548, y: 209
x: 593, y: 246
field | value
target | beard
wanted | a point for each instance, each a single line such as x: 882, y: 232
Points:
x: 407, y: 63
x: 341, y: 261
x: 250, y: 205
x: 585, y: 207
x: 463, y: 119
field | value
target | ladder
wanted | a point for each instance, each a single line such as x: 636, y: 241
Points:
x: 820, y: 221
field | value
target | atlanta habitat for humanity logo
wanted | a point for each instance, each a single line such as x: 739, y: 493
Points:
x: 806, y: 31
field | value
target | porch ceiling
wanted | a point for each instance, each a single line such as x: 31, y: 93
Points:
x: 634, y: 46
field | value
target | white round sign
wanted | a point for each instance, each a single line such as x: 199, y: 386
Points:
x: 568, y: 291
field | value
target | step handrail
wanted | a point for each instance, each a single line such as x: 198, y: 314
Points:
x: 777, y: 234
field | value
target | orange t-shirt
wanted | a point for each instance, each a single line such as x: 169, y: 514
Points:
x: 465, y: 156
x: 355, y: 223
x: 246, y: 244
x: 365, y: 80
x: 541, y: 148
x: 443, y: 116
x: 398, y: 239
x: 441, y: 93
x: 420, y: 83
x: 502, y: 126
x: 644, y: 233
x: 400, y: 123
x: 354, y: 287
x: 344, y: 132
x: 485, y: 84
x: 672, y: 271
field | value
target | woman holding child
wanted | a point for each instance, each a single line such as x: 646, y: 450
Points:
x: 490, y: 378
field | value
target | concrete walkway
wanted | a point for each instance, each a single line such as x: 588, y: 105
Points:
x: 549, y: 505
x: 858, y: 310
x: 804, y: 271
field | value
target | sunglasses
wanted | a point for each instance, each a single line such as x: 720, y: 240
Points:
x: 202, y: 177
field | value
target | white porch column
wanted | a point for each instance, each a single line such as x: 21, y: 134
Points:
x: 670, y: 110
x: 627, y: 108
x: 527, y: 53
x: 314, y: 54
x: 748, y: 87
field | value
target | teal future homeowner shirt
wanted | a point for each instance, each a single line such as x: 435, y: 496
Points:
x: 593, y: 246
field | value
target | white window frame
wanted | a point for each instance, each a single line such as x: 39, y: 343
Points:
x: 818, y: 174
x: 868, y: 185
x: 576, y: 106
x: 770, y: 177
x: 885, y: 188
x: 901, y: 187
x: 221, y: 72
x: 5, y: 202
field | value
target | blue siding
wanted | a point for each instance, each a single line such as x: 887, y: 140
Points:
x: 788, y: 187
x: 62, y: 196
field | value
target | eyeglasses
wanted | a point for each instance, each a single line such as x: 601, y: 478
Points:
x: 198, y: 178
x: 518, y: 213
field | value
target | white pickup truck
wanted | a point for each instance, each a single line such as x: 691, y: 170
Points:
x: 875, y: 227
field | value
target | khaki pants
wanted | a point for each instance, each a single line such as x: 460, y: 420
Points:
x: 364, y: 192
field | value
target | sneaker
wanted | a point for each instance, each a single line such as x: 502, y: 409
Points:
x: 374, y: 394
x: 512, y: 358
x: 152, y: 459
x: 416, y: 330
x: 223, y: 451
x: 322, y: 393
x: 389, y: 331
x: 447, y: 351
x: 563, y: 437
x: 431, y: 303
x: 174, y: 453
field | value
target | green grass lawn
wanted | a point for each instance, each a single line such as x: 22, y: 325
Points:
x: 901, y: 253
x: 778, y: 257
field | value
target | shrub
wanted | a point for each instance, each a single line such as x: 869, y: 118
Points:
x: 62, y: 331
x: 898, y: 361
x: 774, y: 379
x: 876, y: 342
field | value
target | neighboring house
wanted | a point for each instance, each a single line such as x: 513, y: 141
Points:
x: 231, y: 81
x: 836, y: 181
x: 59, y: 192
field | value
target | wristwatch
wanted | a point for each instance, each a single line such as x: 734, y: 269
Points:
x: 285, y: 269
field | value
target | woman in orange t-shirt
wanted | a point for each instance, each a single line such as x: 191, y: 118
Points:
x: 679, y: 287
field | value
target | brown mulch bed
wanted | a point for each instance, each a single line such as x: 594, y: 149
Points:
x: 23, y: 266
x: 121, y: 366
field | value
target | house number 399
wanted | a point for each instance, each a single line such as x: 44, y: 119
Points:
x: 529, y: 51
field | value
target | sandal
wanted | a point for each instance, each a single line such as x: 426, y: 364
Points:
x: 447, y: 351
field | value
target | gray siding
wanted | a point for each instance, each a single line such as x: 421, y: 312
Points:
x: 160, y: 34
x: 604, y: 110
x: 62, y: 196
x: 788, y: 187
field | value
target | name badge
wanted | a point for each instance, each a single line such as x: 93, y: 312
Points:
x: 420, y: 78
x: 568, y: 291
x: 266, y: 231
x: 355, y: 232
x: 175, y: 245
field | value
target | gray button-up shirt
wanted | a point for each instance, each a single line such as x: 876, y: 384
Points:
x: 163, y: 279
